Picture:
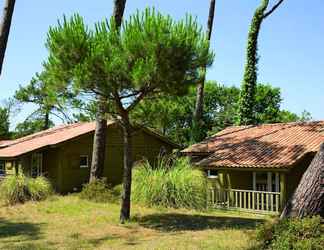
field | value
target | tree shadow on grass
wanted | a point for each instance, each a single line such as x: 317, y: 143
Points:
x: 29, y: 231
x: 183, y: 222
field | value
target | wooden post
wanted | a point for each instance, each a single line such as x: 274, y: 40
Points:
x: 277, y: 182
x: 282, y: 189
x: 221, y: 180
x: 254, y: 181
x: 16, y: 167
x: 269, y: 182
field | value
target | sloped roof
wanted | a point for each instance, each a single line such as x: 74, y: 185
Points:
x: 54, y: 136
x: 271, y: 145
x: 45, y: 138
x: 5, y: 143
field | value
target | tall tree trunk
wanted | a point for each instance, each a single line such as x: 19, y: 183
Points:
x: 199, y: 107
x: 119, y: 7
x: 127, y: 174
x: 246, y: 112
x: 46, y: 121
x: 308, y: 198
x: 8, y: 10
x: 99, y: 141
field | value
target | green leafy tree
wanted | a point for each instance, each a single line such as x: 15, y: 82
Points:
x: 172, y: 116
x: 4, y: 123
x: 48, y: 104
x: 267, y: 104
x: 30, y: 126
x: 246, y: 112
x: 151, y: 56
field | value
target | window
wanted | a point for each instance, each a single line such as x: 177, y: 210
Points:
x: 36, y: 164
x: 84, y: 163
x: 2, y: 168
x: 212, y: 173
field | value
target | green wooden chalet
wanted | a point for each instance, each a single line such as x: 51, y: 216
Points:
x: 63, y: 153
x: 257, y: 168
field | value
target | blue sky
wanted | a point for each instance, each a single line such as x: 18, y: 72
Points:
x: 290, y: 45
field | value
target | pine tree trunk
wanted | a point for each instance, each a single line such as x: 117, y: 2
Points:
x: 46, y: 121
x: 119, y: 7
x: 308, y: 198
x: 8, y: 10
x: 199, y: 107
x: 127, y: 174
x: 99, y: 142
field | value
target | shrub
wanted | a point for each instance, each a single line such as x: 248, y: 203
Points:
x: 296, y: 234
x: 39, y: 188
x: 172, y: 183
x: 99, y: 191
x: 19, y: 189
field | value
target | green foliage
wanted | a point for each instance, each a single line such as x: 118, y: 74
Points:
x: 19, y: 189
x: 267, y: 103
x: 172, y: 183
x: 99, y: 191
x: 30, y: 126
x: 151, y: 55
x: 4, y: 123
x: 48, y: 103
x: 172, y: 116
x: 295, y: 234
x: 39, y: 188
x: 246, y: 112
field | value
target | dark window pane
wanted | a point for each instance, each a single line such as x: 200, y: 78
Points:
x: 84, y: 161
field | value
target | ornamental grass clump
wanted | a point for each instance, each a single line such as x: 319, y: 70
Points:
x: 171, y: 183
x: 99, y: 190
x: 19, y: 189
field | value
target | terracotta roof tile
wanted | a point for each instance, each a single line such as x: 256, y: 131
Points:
x: 45, y: 138
x: 269, y: 145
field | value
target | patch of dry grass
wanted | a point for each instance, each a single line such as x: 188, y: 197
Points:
x: 70, y: 223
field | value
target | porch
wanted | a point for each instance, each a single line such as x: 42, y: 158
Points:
x: 253, y: 191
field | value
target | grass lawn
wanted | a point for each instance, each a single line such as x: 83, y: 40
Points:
x: 70, y: 223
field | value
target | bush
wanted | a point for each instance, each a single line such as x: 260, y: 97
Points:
x: 39, y: 188
x: 99, y: 191
x: 172, y: 183
x: 19, y: 189
x: 296, y: 234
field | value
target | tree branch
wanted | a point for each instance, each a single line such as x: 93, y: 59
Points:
x: 265, y: 15
x: 129, y: 95
x: 136, y: 101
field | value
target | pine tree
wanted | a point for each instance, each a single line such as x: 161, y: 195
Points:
x: 151, y: 56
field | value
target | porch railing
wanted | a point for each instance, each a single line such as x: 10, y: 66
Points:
x: 256, y: 201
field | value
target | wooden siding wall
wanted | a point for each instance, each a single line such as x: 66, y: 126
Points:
x: 234, y: 179
x: 51, y: 165
x: 71, y: 176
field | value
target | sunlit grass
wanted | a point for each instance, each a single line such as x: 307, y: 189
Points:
x: 70, y: 223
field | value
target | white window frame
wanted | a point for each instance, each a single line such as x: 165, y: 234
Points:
x: 84, y: 166
x: 211, y: 176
